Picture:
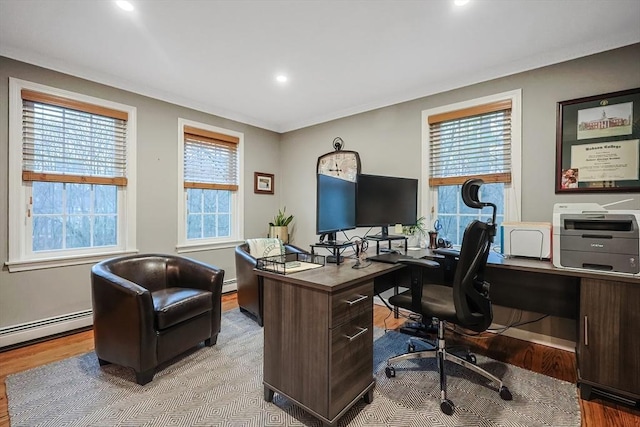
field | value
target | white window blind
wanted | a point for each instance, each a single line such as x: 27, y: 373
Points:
x: 472, y: 142
x: 210, y: 160
x: 71, y: 141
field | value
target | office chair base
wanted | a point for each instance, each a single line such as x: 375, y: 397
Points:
x: 440, y: 353
x: 446, y: 406
x: 419, y: 329
x: 468, y: 356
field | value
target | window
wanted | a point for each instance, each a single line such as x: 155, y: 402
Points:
x: 70, y: 180
x: 210, y: 208
x: 477, y: 139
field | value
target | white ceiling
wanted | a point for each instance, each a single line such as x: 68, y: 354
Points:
x: 342, y: 57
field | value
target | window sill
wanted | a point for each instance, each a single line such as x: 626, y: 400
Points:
x: 42, y: 263
x: 197, y: 247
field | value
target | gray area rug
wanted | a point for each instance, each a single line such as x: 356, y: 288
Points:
x: 222, y: 386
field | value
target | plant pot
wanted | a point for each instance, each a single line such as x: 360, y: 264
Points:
x: 413, y: 240
x: 280, y: 232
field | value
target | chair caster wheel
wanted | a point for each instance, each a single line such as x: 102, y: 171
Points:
x: 446, y: 406
x: 505, y: 394
x: 411, y: 348
x: 390, y: 371
x: 471, y: 358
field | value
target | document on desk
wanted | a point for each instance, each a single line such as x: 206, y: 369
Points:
x: 291, y: 267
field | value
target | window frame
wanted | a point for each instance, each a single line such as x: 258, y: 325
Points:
x: 512, y: 192
x: 237, y: 198
x: 21, y: 256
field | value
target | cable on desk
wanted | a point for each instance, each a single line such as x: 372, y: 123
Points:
x: 495, y: 250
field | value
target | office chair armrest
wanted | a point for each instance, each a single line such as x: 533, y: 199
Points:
x: 447, y: 252
x: 419, y: 262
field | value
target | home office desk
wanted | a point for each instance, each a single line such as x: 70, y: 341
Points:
x: 318, y: 338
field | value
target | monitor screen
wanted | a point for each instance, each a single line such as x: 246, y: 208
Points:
x: 336, y: 205
x: 386, y: 200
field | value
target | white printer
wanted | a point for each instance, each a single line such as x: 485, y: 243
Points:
x: 588, y: 236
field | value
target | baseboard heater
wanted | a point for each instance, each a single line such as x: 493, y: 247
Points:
x: 29, y: 331
x: 229, y: 285
x: 37, y: 329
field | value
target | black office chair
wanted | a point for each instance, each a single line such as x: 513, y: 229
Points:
x: 466, y: 303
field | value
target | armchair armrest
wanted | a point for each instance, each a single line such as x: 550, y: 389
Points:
x: 190, y: 273
x: 122, y: 320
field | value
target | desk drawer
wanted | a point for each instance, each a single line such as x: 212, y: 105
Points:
x: 347, y: 304
x: 351, y: 360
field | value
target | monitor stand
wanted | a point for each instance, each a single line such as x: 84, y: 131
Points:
x: 328, y: 242
x: 333, y: 259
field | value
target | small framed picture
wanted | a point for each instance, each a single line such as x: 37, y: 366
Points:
x: 263, y: 183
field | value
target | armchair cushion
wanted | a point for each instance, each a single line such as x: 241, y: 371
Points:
x: 175, y: 305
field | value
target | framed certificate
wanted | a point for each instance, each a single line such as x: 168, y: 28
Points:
x: 598, y: 143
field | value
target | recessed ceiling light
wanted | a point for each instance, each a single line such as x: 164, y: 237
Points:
x: 282, y: 78
x: 125, y: 5
x: 460, y: 2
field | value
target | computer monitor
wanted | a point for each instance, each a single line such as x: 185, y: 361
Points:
x: 386, y: 200
x: 335, y: 207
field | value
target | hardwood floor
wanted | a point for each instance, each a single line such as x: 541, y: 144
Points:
x: 545, y: 360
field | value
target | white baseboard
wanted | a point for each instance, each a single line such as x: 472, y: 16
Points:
x: 42, y: 328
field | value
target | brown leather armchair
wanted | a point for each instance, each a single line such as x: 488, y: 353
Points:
x: 249, y: 284
x: 148, y: 309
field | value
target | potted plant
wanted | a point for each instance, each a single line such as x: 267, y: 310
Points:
x: 279, y: 226
x: 415, y: 232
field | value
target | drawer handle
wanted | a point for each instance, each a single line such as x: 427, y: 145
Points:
x: 357, y: 300
x: 586, y: 331
x: 362, y: 331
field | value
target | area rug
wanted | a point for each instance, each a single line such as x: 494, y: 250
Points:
x: 222, y: 386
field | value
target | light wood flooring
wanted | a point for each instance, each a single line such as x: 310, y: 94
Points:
x: 546, y: 360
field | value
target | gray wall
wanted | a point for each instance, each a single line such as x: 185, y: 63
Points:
x: 33, y: 295
x: 389, y: 141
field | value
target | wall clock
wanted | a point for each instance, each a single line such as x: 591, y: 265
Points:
x: 343, y: 164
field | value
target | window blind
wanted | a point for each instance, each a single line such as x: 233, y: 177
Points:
x: 473, y: 142
x: 70, y: 141
x: 210, y: 160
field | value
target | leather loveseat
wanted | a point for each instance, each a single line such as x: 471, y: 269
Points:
x: 148, y: 309
x: 250, y: 295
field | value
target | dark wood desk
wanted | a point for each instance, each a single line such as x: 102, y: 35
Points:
x: 318, y: 324
x: 318, y: 337
x: 605, y: 306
